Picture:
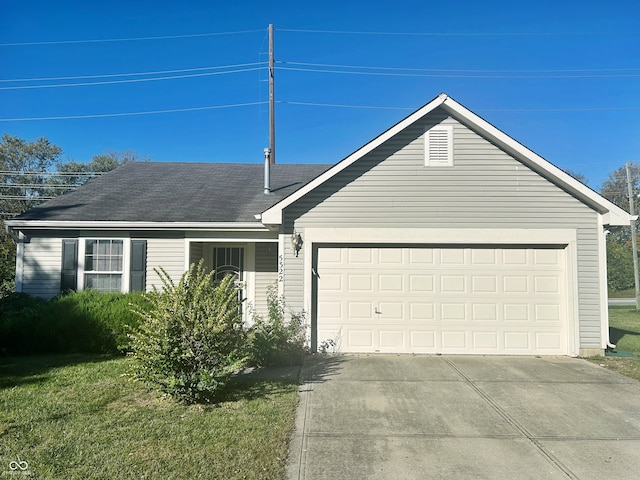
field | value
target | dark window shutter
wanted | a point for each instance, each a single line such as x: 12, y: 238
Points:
x: 138, y: 275
x: 69, y: 278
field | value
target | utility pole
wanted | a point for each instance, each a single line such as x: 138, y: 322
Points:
x: 634, y: 241
x: 272, y: 107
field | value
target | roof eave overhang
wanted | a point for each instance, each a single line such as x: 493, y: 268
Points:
x: 138, y: 226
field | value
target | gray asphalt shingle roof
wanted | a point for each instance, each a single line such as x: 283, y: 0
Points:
x: 177, y: 192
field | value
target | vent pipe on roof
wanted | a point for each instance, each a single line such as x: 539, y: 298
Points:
x: 267, y: 173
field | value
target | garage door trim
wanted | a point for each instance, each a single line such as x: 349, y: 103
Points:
x: 464, y: 238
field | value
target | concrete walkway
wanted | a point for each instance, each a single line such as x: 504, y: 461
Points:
x: 464, y: 417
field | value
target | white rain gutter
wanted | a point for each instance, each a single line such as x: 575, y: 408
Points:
x: 112, y: 225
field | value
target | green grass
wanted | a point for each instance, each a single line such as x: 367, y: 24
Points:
x: 624, y: 332
x: 79, y: 417
x: 629, y: 293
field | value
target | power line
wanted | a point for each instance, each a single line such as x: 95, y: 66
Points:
x: 456, y: 70
x: 61, y: 174
x: 457, y: 34
x: 379, y: 107
x: 434, y: 75
x: 127, y: 39
x: 136, y: 80
x: 111, y: 75
x: 128, y: 114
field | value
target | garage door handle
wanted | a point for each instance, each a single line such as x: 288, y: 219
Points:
x: 377, y: 311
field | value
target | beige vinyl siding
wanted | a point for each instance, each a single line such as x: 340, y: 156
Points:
x: 266, y: 274
x: 42, y: 266
x: 293, y: 277
x: 168, y: 254
x: 196, y: 252
x: 486, y: 188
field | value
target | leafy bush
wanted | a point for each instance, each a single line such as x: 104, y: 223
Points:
x: 80, y: 322
x: 274, y: 340
x: 192, y: 339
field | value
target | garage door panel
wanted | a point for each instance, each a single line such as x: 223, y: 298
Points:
x: 452, y: 284
x: 441, y: 300
x: 421, y: 283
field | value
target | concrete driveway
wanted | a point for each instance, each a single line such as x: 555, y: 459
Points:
x: 421, y: 417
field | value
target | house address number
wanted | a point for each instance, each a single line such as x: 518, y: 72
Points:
x: 281, y: 268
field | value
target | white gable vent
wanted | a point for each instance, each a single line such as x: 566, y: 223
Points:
x: 438, y: 148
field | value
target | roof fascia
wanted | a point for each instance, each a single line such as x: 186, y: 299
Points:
x: 612, y: 214
x: 100, y: 225
x: 273, y: 215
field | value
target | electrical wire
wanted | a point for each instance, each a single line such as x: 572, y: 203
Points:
x: 379, y: 107
x: 111, y: 75
x: 128, y: 39
x: 135, y: 80
x: 455, y: 70
x: 129, y: 114
x: 456, y: 34
x: 434, y: 75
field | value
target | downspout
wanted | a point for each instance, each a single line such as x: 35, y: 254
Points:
x: 603, y: 284
x: 267, y: 172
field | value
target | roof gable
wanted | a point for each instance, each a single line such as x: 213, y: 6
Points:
x: 612, y: 214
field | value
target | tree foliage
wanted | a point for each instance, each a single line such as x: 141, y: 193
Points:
x: 615, y: 187
x: 619, y: 246
x: 192, y: 338
x: 32, y: 172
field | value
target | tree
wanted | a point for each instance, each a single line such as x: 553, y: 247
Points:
x: 615, y: 187
x: 619, y: 249
x: 23, y: 167
x: 30, y: 173
x: 578, y: 176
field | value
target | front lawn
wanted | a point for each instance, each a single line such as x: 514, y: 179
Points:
x: 624, y: 328
x: 79, y: 417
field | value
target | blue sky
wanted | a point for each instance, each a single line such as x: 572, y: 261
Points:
x: 560, y: 78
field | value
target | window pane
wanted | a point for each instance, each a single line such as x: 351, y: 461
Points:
x: 88, y: 263
x: 103, y: 247
x: 116, y: 247
x: 103, y: 282
x: 116, y: 264
x: 90, y: 246
x: 103, y: 264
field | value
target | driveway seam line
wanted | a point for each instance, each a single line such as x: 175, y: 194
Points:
x: 306, y: 390
x: 523, y: 431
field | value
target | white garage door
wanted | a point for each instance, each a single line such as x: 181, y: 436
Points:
x: 443, y: 300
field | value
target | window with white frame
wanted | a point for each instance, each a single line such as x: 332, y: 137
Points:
x: 103, y: 265
x: 438, y: 148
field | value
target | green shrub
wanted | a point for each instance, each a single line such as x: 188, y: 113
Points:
x: 192, y: 339
x: 78, y: 322
x: 274, y: 340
